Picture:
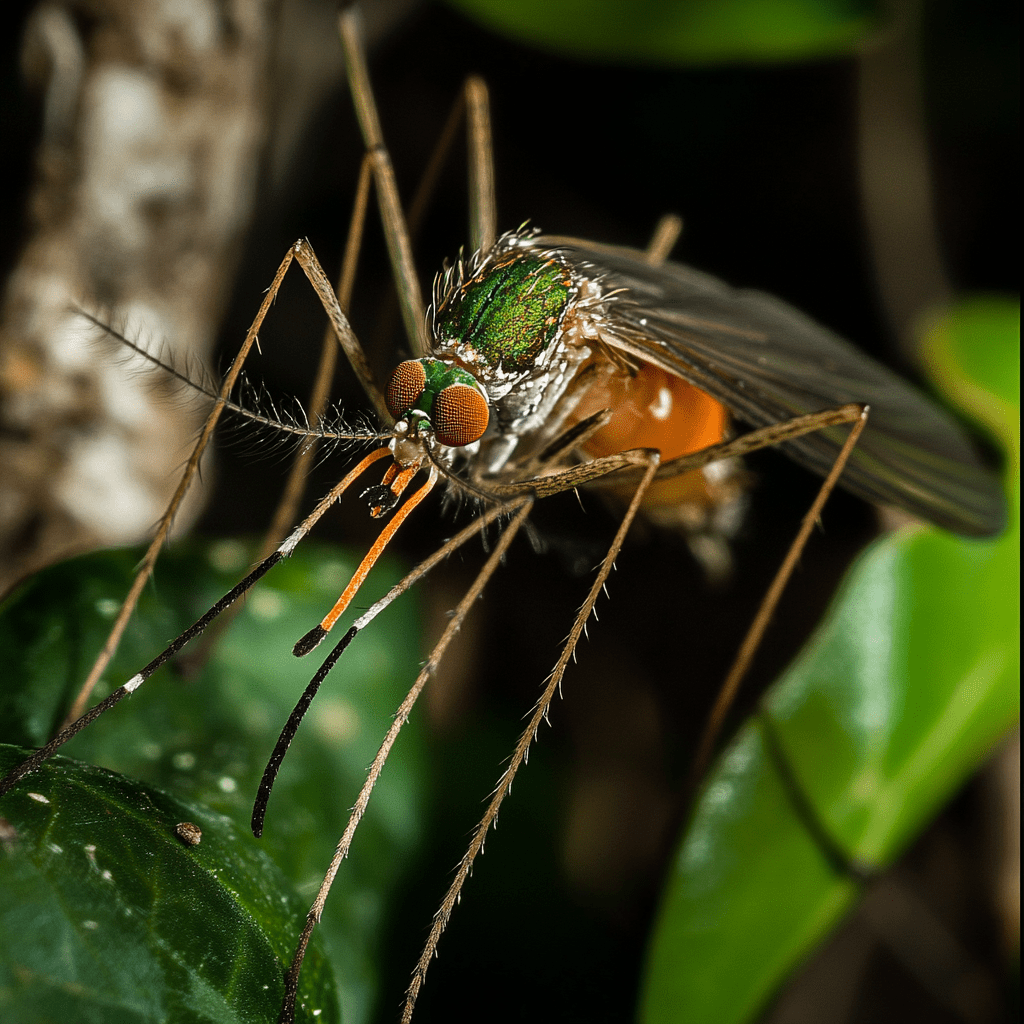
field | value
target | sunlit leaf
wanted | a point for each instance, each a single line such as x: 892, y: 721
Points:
x: 910, y: 680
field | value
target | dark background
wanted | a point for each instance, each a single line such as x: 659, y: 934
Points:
x: 761, y: 164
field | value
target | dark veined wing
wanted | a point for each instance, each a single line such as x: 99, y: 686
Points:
x: 767, y: 362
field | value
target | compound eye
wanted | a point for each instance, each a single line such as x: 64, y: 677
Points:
x: 405, y: 387
x: 460, y: 415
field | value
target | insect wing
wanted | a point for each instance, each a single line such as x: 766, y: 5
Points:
x: 767, y: 362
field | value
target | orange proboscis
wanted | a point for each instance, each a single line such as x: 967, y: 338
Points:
x: 656, y: 409
x: 401, y: 480
x: 353, y: 474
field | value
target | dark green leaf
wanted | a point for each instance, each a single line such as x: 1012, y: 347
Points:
x: 106, y: 915
x: 207, y: 739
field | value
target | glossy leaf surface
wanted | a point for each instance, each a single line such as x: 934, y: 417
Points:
x: 206, y: 739
x: 108, y: 916
x: 907, y: 685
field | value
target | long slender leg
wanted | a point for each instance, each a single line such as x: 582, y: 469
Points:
x: 540, y: 713
x: 306, y: 259
x: 425, y: 190
x: 395, y: 231
x: 163, y: 527
x: 624, y: 465
x: 483, y: 203
x: 428, y: 183
x: 473, y: 102
x: 285, y: 513
x: 752, y: 641
x: 316, y: 910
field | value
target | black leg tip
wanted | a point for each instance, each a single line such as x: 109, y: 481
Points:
x: 309, y: 642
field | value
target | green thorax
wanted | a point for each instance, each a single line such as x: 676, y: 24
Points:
x: 508, y: 314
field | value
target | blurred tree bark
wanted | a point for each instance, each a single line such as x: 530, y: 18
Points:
x: 154, y: 115
x: 158, y: 119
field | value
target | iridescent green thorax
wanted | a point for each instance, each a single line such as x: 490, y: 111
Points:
x: 509, y: 313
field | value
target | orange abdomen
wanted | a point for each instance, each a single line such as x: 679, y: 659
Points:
x: 656, y: 409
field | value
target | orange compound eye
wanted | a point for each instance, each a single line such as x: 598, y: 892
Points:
x: 460, y: 415
x: 405, y: 387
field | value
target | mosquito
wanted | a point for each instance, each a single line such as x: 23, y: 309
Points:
x: 545, y: 364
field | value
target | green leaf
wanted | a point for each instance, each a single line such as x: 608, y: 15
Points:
x: 909, y: 682
x: 207, y: 739
x: 107, y: 915
x: 682, y: 31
